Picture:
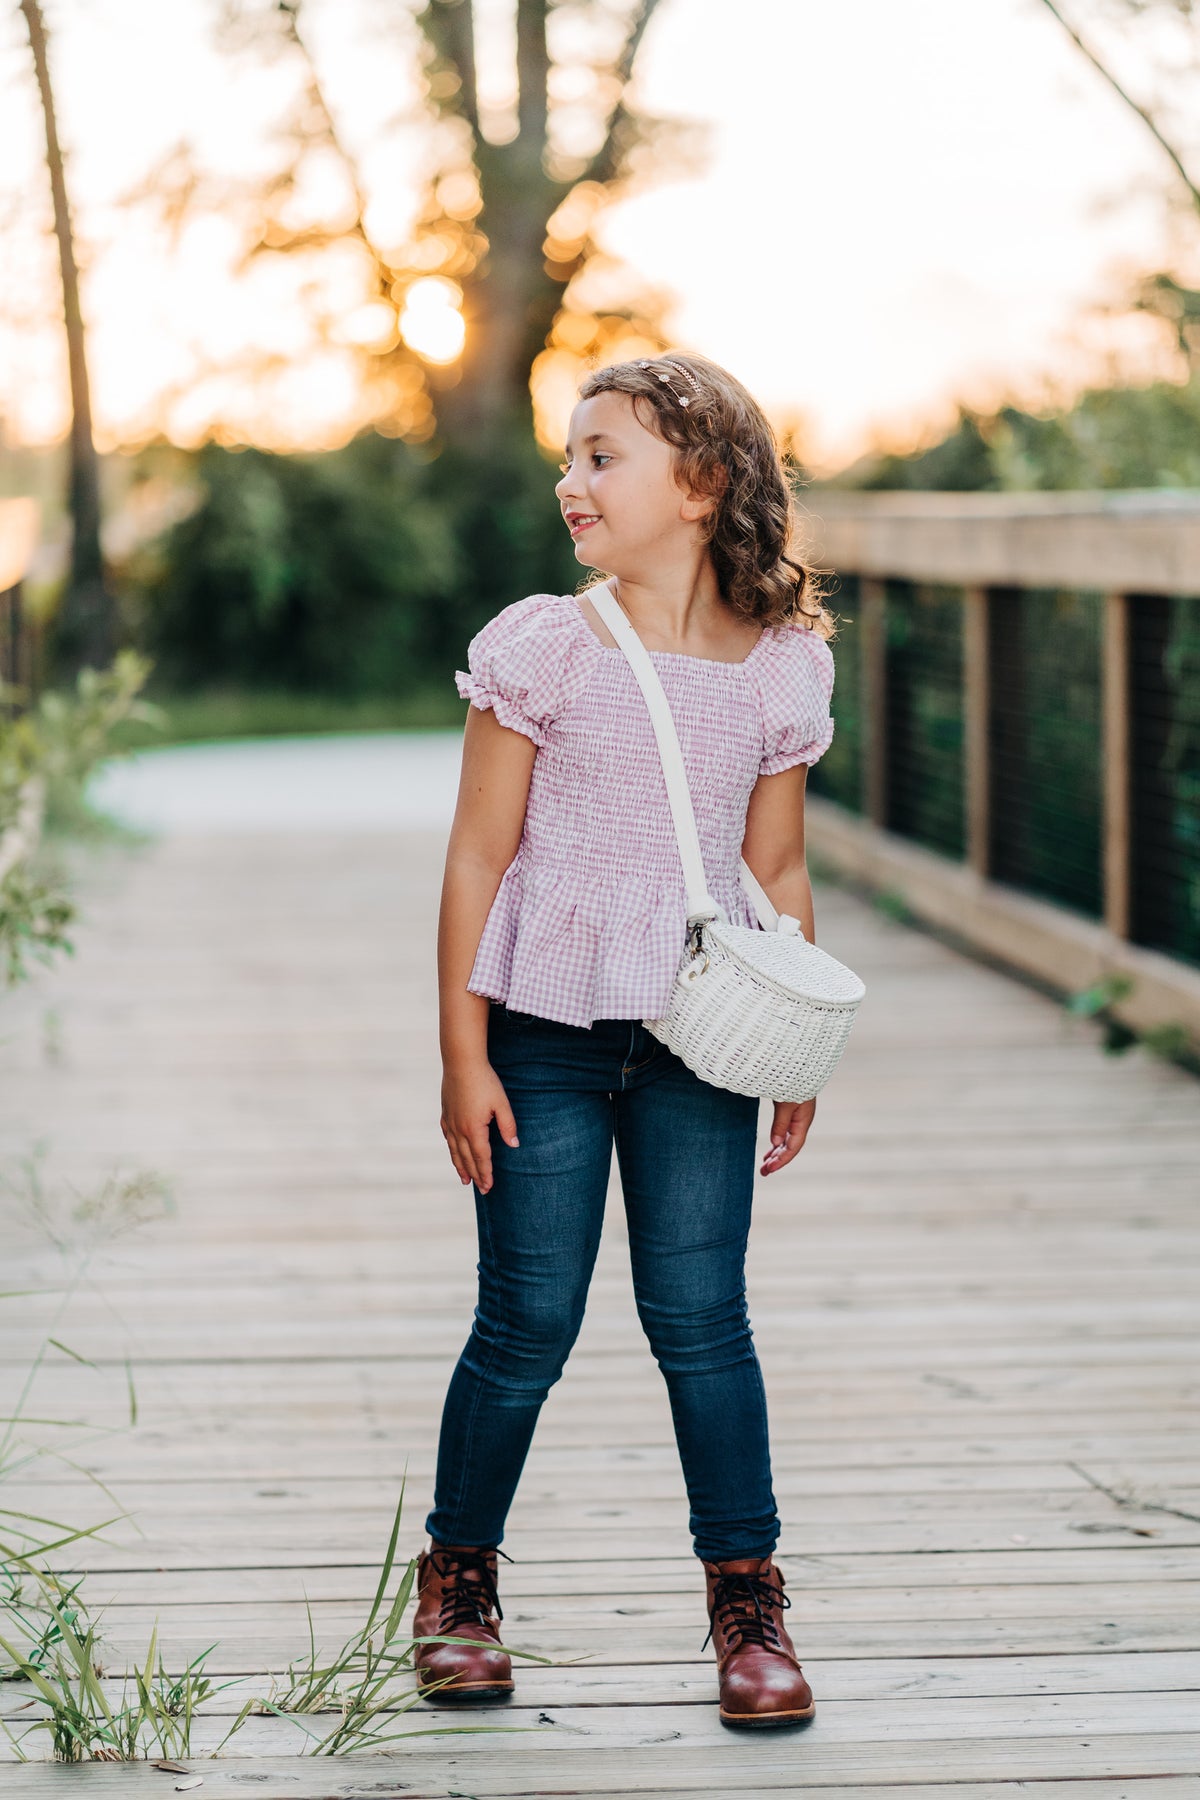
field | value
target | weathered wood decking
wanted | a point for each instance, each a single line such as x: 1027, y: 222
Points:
x: 975, y: 1290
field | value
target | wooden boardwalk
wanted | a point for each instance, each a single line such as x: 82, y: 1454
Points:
x: 974, y: 1295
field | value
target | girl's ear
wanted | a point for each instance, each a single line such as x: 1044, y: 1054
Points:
x: 697, y: 505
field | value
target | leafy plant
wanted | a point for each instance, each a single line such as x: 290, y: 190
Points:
x: 46, y: 756
x: 61, y: 1663
x: 35, y: 912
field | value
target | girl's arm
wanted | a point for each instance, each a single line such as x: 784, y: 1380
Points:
x: 488, y: 821
x: 774, y: 848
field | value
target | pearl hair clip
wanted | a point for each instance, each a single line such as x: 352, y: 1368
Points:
x: 683, y: 399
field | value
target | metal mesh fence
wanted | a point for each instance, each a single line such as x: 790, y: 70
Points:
x: 1045, y: 728
x: 1165, y: 778
x: 839, y: 774
x: 924, y: 708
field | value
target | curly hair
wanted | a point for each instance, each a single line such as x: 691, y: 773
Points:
x: 726, y: 450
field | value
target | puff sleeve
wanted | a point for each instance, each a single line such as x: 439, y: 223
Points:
x: 795, y: 685
x: 519, y: 663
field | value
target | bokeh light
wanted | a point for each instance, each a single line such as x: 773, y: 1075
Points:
x: 431, y: 322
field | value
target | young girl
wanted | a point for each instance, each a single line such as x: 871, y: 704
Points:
x: 562, y: 926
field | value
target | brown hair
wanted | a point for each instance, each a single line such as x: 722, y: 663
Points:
x: 726, y: 450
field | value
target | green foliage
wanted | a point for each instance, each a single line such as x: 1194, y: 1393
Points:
x: 1100, y: 997
x: 46, y: 756
x: 1113, y: 437
x: 74, y: 731
x: 55, y: 1648
x: 960, y: 462
x: 59, y: 1658
x: 357, y: 572
x: 35, y: 912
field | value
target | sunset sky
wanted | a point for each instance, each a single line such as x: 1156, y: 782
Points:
x: 901, y: 205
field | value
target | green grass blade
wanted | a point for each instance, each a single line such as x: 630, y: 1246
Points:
x: 67, y: 1351
x: 237, y: 1724
x: 30, y: 1673
x: 403, y: 1593
x: 388, y: 1560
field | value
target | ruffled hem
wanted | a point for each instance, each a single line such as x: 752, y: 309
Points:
x: 579, y: 952
x: 507, y: 711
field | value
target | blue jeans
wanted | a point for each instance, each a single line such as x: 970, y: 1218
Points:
x: 686, y: 1153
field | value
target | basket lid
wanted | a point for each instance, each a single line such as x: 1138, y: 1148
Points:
x: 791, y: 964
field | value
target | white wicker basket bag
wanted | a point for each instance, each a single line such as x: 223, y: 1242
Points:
x: 765, y: 1012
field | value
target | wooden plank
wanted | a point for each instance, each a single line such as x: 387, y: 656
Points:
x: 610, y: 1777
x: 677, y: 1748
x: 862, y: 1679
x: 1144, y: 542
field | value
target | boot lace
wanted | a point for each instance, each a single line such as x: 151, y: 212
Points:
x: 745, y: 1606
x: 470, y: 1596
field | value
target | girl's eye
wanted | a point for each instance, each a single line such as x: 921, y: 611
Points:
x: 563, y: 468
x: 600, y: 456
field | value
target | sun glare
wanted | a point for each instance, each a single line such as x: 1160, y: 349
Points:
x: 431, y: 323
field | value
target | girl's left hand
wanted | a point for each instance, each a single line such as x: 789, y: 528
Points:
x: 788, y: 1132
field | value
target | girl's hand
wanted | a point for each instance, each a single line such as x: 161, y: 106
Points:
x: 470, y: 1100
x: 788, y: 1133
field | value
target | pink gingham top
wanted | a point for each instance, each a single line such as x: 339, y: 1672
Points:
x: 590, y: 919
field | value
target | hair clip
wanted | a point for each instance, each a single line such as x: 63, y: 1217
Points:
x: 683, y: 399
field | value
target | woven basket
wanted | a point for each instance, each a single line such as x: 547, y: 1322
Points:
x: 759, y: 1012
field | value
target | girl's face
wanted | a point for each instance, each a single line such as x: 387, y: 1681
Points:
x: 618, y: 492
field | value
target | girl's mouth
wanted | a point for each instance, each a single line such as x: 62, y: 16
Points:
x: 579, y: 522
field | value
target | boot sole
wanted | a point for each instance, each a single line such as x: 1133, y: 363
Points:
x: 759, y: 1721
x: 477, y: 1692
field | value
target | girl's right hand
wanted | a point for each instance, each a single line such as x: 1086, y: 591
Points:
x: 471, y: 1099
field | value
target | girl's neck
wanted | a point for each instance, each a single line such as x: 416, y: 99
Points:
x: 678, y: 607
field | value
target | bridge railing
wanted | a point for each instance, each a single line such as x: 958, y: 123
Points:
x: 1017, y: 754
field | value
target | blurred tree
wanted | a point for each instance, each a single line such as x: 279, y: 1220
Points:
x: 1154, y: 115
x: 540, y: 190
x: 503, y: 240
x: 1112, y: 437
x: 1168, y: 114
x: 84, y: 626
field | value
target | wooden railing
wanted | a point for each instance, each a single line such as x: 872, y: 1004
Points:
x: 982, y: 580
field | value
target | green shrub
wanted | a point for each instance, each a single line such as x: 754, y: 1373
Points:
x: 361, y: 571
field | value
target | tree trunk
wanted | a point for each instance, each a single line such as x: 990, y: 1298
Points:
x: 84, y: 631
x: 510, y: 303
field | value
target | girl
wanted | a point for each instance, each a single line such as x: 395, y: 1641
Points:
x: 562, y: 925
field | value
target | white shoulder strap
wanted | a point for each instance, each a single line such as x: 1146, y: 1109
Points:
x: 700, y: 903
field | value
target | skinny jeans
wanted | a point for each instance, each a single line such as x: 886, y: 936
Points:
x: 686, y: 1155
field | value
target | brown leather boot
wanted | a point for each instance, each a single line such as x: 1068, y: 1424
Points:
x: 761, y: 1681
x: 456, y: 1597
